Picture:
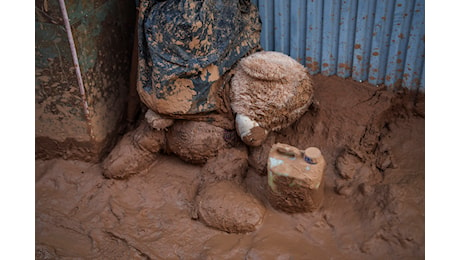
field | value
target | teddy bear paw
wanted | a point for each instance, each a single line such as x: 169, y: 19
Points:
x: 135, y: 152
x: 250, y: 131
x: 156, y: 121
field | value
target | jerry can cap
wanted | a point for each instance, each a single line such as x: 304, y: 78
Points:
x: 312, y: 155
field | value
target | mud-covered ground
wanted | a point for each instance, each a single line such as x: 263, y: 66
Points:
x: 373, y: 141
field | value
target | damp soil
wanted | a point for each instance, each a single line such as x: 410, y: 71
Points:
x: 374, y: 193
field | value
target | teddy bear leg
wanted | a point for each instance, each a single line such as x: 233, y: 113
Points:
x: 222, y: 202
x: 134, y: 152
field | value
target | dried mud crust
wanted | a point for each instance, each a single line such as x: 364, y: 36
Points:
x: 373, y: 208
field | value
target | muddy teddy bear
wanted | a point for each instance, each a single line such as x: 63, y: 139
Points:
x: 269, y: 91
x: 211, y: 92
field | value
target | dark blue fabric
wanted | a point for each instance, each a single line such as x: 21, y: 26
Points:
x: 185, y: 39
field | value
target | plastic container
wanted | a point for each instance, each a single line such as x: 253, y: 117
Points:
x: 295, y: 178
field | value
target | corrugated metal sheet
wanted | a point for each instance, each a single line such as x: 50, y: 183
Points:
x: 379, y: 41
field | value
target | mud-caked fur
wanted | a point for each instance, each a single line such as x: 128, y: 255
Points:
x: 272, y: 89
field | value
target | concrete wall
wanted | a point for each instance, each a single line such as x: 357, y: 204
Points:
x: 103, y: 32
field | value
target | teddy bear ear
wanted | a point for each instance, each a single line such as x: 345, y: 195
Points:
x: 266, y: 65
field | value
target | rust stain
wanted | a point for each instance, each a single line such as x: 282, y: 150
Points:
x: 384, y: 18
x: 399, y: 5
x: 398, y: 83
x: 359, y: 57
x: 372, y: 78
x: 398, y: 61
x: 325, y: 65
x: 388, y: 77
x: 357, y: 46
x: 399, y: 52
x: 375, y: 70
x: 314, y: 66
x: 309, y: 58
x: 375, y: 53
x: 401, y: 36
x: 344, y: 66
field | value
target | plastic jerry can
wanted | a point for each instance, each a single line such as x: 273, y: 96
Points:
x: 295, y: 178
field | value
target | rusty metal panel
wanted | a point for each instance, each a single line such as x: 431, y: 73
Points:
x: 282, y: 26
x: 346, y: 37
x: 379, y: 41
x: 313, y: 29
x: 297, y: 33
x: 363, y: 39
x: 330, y: 37
x: 422, y: 78
x: 266, y: 10
x: 398, y: 42
x: 414, y: 63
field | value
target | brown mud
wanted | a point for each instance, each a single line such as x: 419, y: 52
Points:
x: 374, y: 195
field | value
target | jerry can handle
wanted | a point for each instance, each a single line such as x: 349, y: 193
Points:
x: 292, y: 152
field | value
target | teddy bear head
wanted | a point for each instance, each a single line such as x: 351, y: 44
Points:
x: 269, y: 91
